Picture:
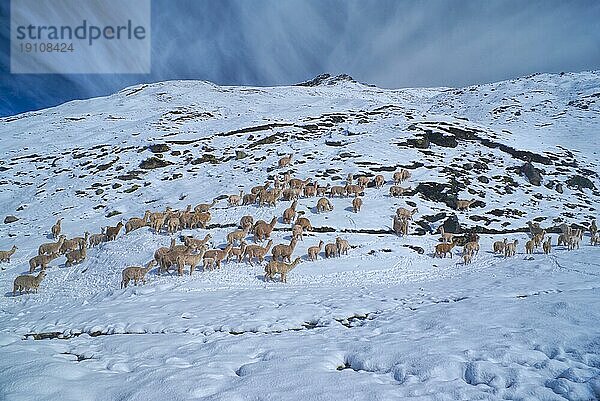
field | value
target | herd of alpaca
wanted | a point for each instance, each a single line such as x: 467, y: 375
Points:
x: 194, y: 252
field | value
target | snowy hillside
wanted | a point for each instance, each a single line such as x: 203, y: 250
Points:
x: 386, y: 321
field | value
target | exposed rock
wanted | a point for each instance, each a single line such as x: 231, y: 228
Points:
x: 452, y: 225
x: 154, y: 162
x: 10, y: 219
x: 533, y: 174
x: 580, y: 182
x: 159, y: 148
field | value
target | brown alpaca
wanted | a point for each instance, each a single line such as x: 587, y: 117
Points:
x: 257, y: 251
x: 357, y: 204
x: 284, y: 251
x: 442, y: 249
x: 290, y: 213
x: 263, y: 230
x: 112, y: 232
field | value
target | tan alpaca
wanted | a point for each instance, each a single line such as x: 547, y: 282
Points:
x: 529, y: 245
x: 331, y: 251
x: 51, y: 247
x: 246, y: 222
x: 112, y: 232
x: 446, y: 237
x: 355, y: 190
x: 357, y: 204
x: 237, y: 236
x: 547, y: 245
x: 191, y: 260
x: 97, y: 239
x: 406, y: 213
x: 235, y: 200
x: 285, y: 161
x: 296, y: 183
x: 283, y: 251
x: 41, y: 261
x: 397, y: 191
x: 298, y: 232
x: 196, y: 243
x: 472, y: 247
x: 499, y: 246
x: 6, y: 255
x: 249, y: 199
x: 322, y: 191
x: 305, y: 223
x: 26, y: 282
x: 337, y: 190
x: 259, y: 188
x: 442, y: 249
x: 218, y: 254
x: 204, y: 207
x: 511, y: 248
x: 313, y: 251
x: 208, y: 264
x: 595, y: 240
x: 274, y: 267
x: 77, y: 256
x: 363, y: 181
x: 342, y: 246
x: 56, y: 229
x: 323, y: 205
x: 593, y: 229
x: 379, y: 181
x: 200, y: 219
x: 400, y: 176
x: 74, y: 243
x: 257, y: 252
x: 539, y: 238
x: 136, y: 273
x: 262, y: 230
x: 136, y: 223
x: 400, y: 226
x: 237, y: 252
x: 289, y: 214
x: 464, y: 204
x: 467, y: 257
x: 309, y: 190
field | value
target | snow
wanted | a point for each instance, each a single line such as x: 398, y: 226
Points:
x: 382, y: 323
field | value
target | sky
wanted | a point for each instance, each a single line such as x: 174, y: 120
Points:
x: 388, y: 43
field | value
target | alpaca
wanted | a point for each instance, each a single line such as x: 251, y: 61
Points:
x: 136, y: 273
x: 5, y: 255
x: 274, y: 267
x: 26, y: 282
x: 313, y: 251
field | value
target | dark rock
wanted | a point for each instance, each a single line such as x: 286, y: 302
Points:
x: 580, y: 182
x: 99, y: 191
x: 559, y: 188
x: 154, y: 162
x: 452, y: 225
x: 483, y: 178
x: 533, y: 174
x: 240, y: 154
x: 159, y: 148
x: 438, y: 192
x: 10, y: 219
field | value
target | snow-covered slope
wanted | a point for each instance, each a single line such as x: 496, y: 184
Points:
x: 383, y: 322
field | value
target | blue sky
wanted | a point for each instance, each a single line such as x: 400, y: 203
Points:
x: 389, y: 43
